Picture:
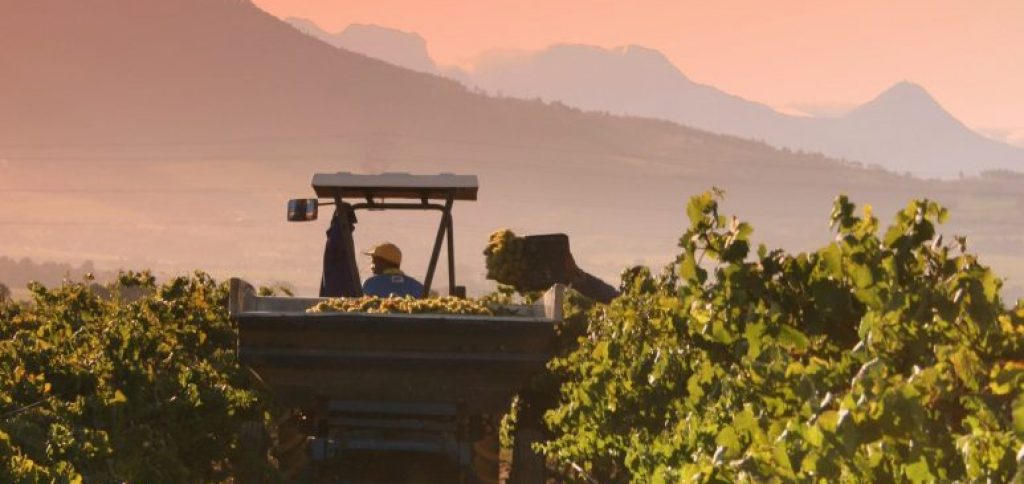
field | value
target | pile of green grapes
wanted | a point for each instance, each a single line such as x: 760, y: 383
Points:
x: 407, y: 305
x: 506, y: 258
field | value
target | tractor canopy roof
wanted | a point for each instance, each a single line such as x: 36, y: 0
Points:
x: 395, y: 186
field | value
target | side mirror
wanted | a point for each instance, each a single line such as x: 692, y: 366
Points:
x: 303, y: 209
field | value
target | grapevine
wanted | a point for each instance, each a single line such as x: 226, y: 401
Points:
x: 885, y: 356
x: 136, y: 382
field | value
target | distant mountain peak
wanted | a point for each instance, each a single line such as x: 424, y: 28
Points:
x: 649, y: 56
x: 905, y: 97
x: 398, y: 47
x: 305, y: 25
x: 630, y: 52
x: 645, y: 53
x: 909, y: 91
x: 639, y: 60
x: 354, y: 29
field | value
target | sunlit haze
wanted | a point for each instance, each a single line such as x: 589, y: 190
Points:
x: 791, y: 54
x: 169, y: 134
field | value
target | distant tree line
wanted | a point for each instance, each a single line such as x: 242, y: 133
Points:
x: 17, y: 273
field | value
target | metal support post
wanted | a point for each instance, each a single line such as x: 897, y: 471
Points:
x: 436, y: 253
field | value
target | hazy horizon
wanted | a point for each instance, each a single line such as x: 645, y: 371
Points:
x: 168, y: 135
x: 962, y: 52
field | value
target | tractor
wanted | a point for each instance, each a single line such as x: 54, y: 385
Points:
x: 392, y: 397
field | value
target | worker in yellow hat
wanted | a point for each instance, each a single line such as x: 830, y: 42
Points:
x: 388, y: 278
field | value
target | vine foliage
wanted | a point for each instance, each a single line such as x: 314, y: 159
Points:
x: 884, y: 356
x: 134, y: 382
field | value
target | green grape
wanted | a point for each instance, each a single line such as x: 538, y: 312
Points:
x: 400, y: 305
x: 506, y: 258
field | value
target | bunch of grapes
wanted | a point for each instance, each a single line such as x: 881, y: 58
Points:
x: 406, y: 305
x: 506, y: 258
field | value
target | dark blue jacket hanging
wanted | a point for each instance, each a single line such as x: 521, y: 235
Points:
x: 341, y: 274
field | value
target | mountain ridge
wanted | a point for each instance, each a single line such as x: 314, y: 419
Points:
x: 405, y: 49
x: 145, y: 85
x: 920, y: 135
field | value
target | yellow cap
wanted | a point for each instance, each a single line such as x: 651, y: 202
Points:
x: 388, y: 252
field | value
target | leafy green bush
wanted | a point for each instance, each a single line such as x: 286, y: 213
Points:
x: 138, y: 383
x: 885, y: 358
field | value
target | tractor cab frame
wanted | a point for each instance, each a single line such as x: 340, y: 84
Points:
x: 375, y: 192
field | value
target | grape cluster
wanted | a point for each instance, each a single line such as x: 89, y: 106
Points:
x: 506, y: 258
x: 406, y: 305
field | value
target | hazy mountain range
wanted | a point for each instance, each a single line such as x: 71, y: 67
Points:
x: 405, y: 49
x: 903, y: 129
x: 168, y: 134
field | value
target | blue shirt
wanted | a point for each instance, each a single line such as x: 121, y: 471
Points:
x: 392, y: 282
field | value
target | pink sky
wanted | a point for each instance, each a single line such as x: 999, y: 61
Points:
x: 969, y: 55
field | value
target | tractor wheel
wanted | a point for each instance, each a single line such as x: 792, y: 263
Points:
x: 486, y: 461
x: 290, y: 449
x: 253, y: 438
x: 251, y: 462
x: 528, y: 466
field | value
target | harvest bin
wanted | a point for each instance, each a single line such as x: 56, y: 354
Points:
x: 394, y: 387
